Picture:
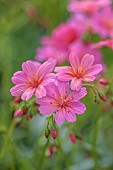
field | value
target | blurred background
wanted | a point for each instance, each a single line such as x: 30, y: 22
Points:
x: 22, y: 23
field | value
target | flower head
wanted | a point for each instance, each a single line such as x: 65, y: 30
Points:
x: 79, y: 71
x: 32, y: 80
x: 59, y: 99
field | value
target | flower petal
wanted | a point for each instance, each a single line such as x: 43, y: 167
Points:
x: 76, y: 84
x: 28, y: 94
x: 64, y: 76
x: 18, y: 89
x: 49, y: 78
x: 95, y: 69
x: 78, y: 107
x: 64, y: 69
x: 43, y: 70
x: 70, y: 116
x: 19, y: 78
x: 88, y: 78
x: 63, y: 88
x: 40, y: 92
x: 74, y: 60
x: 87, y: 61
x: 47, y: 109
x: 60, y: 116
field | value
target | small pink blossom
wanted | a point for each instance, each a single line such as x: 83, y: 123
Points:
x: 32, y: 80
x: 64, y: 103
x: 87, y: 6
x: 79, y: 71
x: 104, y: 43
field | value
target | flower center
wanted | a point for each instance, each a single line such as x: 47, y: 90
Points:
x: 63, y: 102
x: 33, y: 83
x: 79, y: 73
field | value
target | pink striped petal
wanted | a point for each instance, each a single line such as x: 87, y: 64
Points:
x: 63, y: 88
x: 49, y: 78
x: 65, y: 69
x: 40, y: 92
x: 70, y: 116
x: 28, y: 94
x: 19, y: 78
x: 77, y: 95
x: 64, y: 77
x: 47, y: 109
x: 76, y: 84
x: 95, y: 69
x: 87, y: 61
x: 78, y: 107
x: 74, y: 60
x: 88, y: 78
x: 43, y: 70
x: 60, y: 116
x: 18, y: 89
x: 52, y: 91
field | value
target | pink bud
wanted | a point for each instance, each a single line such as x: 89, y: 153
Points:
x: 103, y: 82
x: 72, y: 138
x: 18, y: 113
x: 104, y: 98
x: 17, y: 99
x: 50, y: 151
x: 54, y: 133
x: 28, y: 117
x: 47, y: 133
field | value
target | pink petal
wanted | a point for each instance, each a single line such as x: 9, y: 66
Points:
x: 74, y: 60
x: 88, y: 78
x: 95, y: 69
x: 18, y: 89
x: 87, y: 61
x: 77, y: 95
x: 52, y: 91
x: 64, y: 77
x: 30, y: 68
x: 78, y: 107
x: 46, y: 100
x: 63, y: 88
x: 47, y: 109
x: 60, y: 116
x: 28, y: 94
x: 43, y: 70
x: 40, y: 92
x: 49, y: 78
x: 76, y: 84
x: 19, y: 78
x: 63, y: 69
x: 70, y: 116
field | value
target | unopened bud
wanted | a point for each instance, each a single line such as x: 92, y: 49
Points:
x: 18, y: 113
x: 28, y: 117
x: 102, y: 96
x: 17, y: 99
x: 47, y: 133
x: 72, y: 138
x: 103, y: 82
x: 54, y: 133
x: 97, y: 100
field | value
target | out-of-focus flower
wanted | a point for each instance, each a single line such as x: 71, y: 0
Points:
x: 32, y: 80
x: 87, y: 6
x: 72, y: 138
x: 79, y: 71
x: 59, y: 99
x: 49, y: 52
x: 31, y: 11
x: 103, y: 22
x: 104, y: 43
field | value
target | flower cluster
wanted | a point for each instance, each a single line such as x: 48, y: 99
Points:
x: 56, y: 93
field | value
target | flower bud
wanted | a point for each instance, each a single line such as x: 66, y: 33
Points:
x: 54, y: 133
x: 28, y: 117
x: 102, y: 96
x: 103, y: 82
x: 18, y: 113
x: 17, y: 99
x: 47, y: 133
x: 72, y: 138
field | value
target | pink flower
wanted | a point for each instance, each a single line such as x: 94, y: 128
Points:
x: 103, y: 22
x: 32, y: 80
x: 79, y: 71
x: 59, y: 99
x: 49, y: 52
x: 104, y: 43
x: 87, y: 6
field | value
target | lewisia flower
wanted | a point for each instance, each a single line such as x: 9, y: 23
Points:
x: 64, y: 103
x: 87, y: 6
x: 32, y: 80
x: 79, y: 71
